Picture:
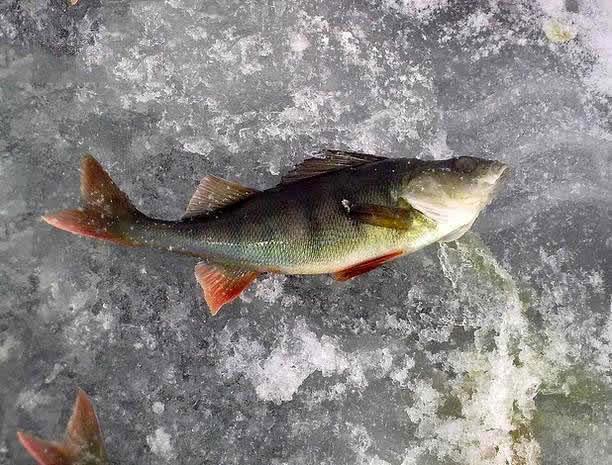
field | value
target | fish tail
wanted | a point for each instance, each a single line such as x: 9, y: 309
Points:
x: 83, y: 442
x: 107, y: 213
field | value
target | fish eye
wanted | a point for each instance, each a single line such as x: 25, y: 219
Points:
x: 465, y: 164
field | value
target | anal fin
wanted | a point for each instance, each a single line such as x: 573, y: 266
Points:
x: 364, y: 267
x: 221, y: 284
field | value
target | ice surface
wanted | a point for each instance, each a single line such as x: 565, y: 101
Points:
x: 492, y: 350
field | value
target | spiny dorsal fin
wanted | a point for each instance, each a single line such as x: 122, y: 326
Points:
x: 327, y: 162
x: 83, y: 443
x: 221, y: 284
x: 214, y: 193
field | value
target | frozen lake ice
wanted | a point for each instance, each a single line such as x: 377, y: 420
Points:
x: 495, y: 349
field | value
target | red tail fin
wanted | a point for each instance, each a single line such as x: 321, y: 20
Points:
x: 106, y: 210
x: 83, y: 442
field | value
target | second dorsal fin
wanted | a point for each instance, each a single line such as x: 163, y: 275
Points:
x: 213, y: 193
x: 328, y: 161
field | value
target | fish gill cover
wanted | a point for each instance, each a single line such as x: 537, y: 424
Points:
x: 492, y: 350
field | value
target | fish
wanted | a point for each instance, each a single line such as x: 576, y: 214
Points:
x: 338, y: 212
x: 83, y: 443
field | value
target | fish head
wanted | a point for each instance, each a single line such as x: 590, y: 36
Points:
x: 454, y: 191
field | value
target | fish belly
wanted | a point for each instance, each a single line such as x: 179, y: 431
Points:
x: 366, y: 244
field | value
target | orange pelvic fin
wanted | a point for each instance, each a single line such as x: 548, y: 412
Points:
x: 221, y: 285
x: 364, y: 267
x: 105, y: 207
x: 83, y: 442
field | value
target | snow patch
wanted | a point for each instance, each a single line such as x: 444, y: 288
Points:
x: 8, y: 345
x: 299, y: 354
x: 160, y: 443
x: 29, y: 400
x: 158, y: 408
x: 298, y: 42
x: 270, y: 289
x: 420, y: 9
x: 297, y: 358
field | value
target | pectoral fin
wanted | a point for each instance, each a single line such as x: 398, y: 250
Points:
x: 386, y: 217
x: 221, y: 284
x: 364, y: 267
